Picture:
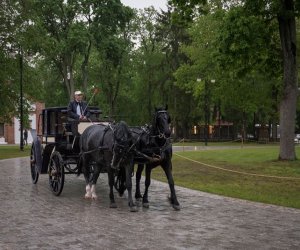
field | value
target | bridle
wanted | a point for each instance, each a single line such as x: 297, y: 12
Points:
x: 154, y: 132
x: 161, y: 134
x: 123, y: 149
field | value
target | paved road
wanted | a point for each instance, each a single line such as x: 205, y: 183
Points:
x: 32, y: 218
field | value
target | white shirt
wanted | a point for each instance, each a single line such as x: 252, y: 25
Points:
x: 78, y: 110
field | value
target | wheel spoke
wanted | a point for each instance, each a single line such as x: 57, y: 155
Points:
x: 56, y: 173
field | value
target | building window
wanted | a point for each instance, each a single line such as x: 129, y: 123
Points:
x: 1, y: 129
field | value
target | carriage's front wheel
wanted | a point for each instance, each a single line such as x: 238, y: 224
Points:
x: 56, y: 171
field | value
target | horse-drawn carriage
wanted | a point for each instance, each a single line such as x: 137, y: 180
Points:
x: 55, y: 151
x: 114, y: 149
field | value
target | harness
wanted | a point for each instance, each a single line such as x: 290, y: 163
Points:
x: 151, y: 154
x: 100, y: 148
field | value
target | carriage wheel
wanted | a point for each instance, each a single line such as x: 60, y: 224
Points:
x: 35, y: 161
x: 56, y: 171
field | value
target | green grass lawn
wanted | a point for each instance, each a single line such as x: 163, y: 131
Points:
x: 261, y: 161
x: 237, y: 143
x: 7, y: 152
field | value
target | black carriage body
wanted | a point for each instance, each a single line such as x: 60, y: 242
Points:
x: 55, y: 132
x: 55, y: 150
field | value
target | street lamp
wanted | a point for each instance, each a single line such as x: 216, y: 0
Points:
x: 69, y: 81
x: 21, y: 100
x: 206, y: 108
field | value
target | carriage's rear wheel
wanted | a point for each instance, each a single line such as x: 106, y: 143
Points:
x: 56, y: 171
x: 35, y: 161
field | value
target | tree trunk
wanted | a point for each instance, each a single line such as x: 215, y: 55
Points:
x: 84, y: 68
x: 287, y: 29
x: 65, y: 66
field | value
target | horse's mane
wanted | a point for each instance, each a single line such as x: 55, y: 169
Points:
x: 122, y: 129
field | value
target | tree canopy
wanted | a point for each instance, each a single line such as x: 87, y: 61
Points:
x: 232, y: 59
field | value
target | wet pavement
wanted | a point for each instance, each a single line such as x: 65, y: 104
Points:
x: 32, y: 218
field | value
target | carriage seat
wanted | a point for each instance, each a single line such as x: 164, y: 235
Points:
x: 83, y: 125
x: 73, y: 140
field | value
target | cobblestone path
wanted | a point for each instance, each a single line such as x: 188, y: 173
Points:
x: 32, y: 218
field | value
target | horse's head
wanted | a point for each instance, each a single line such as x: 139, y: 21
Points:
x: 161, y: 122
x: 122, y: 144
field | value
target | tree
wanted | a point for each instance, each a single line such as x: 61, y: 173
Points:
x: 69, y: 29
x: 62, y: 35
x: 249, y: 56
x: 14, y: 42
x: 285, y: 12
x: 112, y: 38
x: 172, y: 32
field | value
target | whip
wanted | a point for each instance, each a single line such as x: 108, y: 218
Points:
x: 95, y: 91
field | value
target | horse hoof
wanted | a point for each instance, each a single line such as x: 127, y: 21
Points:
x: 146, y: 205
x: 169, y: 198
x: 113, y: 205
x: 139, y: 203
x: 176, y: 207
x: 133, y: 209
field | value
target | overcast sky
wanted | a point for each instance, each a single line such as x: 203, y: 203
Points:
x: 141, y: 4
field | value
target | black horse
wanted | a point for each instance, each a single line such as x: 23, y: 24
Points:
x: 106, y: 148
x: 153, y: 148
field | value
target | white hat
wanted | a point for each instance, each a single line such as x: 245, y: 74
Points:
x: 78, y: 92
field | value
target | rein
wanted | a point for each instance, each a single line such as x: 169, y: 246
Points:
x: 94, y: 150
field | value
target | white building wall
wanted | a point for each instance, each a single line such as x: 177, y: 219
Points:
x: 31, y: 131
x: 17, y: 130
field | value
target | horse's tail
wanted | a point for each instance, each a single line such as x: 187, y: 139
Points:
x: 81, y: 155
x: 79, y: 164
x: 120, y: 182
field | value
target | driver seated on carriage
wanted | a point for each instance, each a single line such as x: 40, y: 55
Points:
x: 77, y: 111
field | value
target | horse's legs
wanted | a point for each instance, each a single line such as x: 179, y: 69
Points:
x: 86, y: 173
x: 111, y: 179
x: 93, y: 191
x: 97, y: 169
x: 128, y: 170
x: 139, y: 171
x: 88, y: 193
x: 147, y: 184
x: 167, y: 167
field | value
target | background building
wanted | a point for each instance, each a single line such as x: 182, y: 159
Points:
x: 10, y: 132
